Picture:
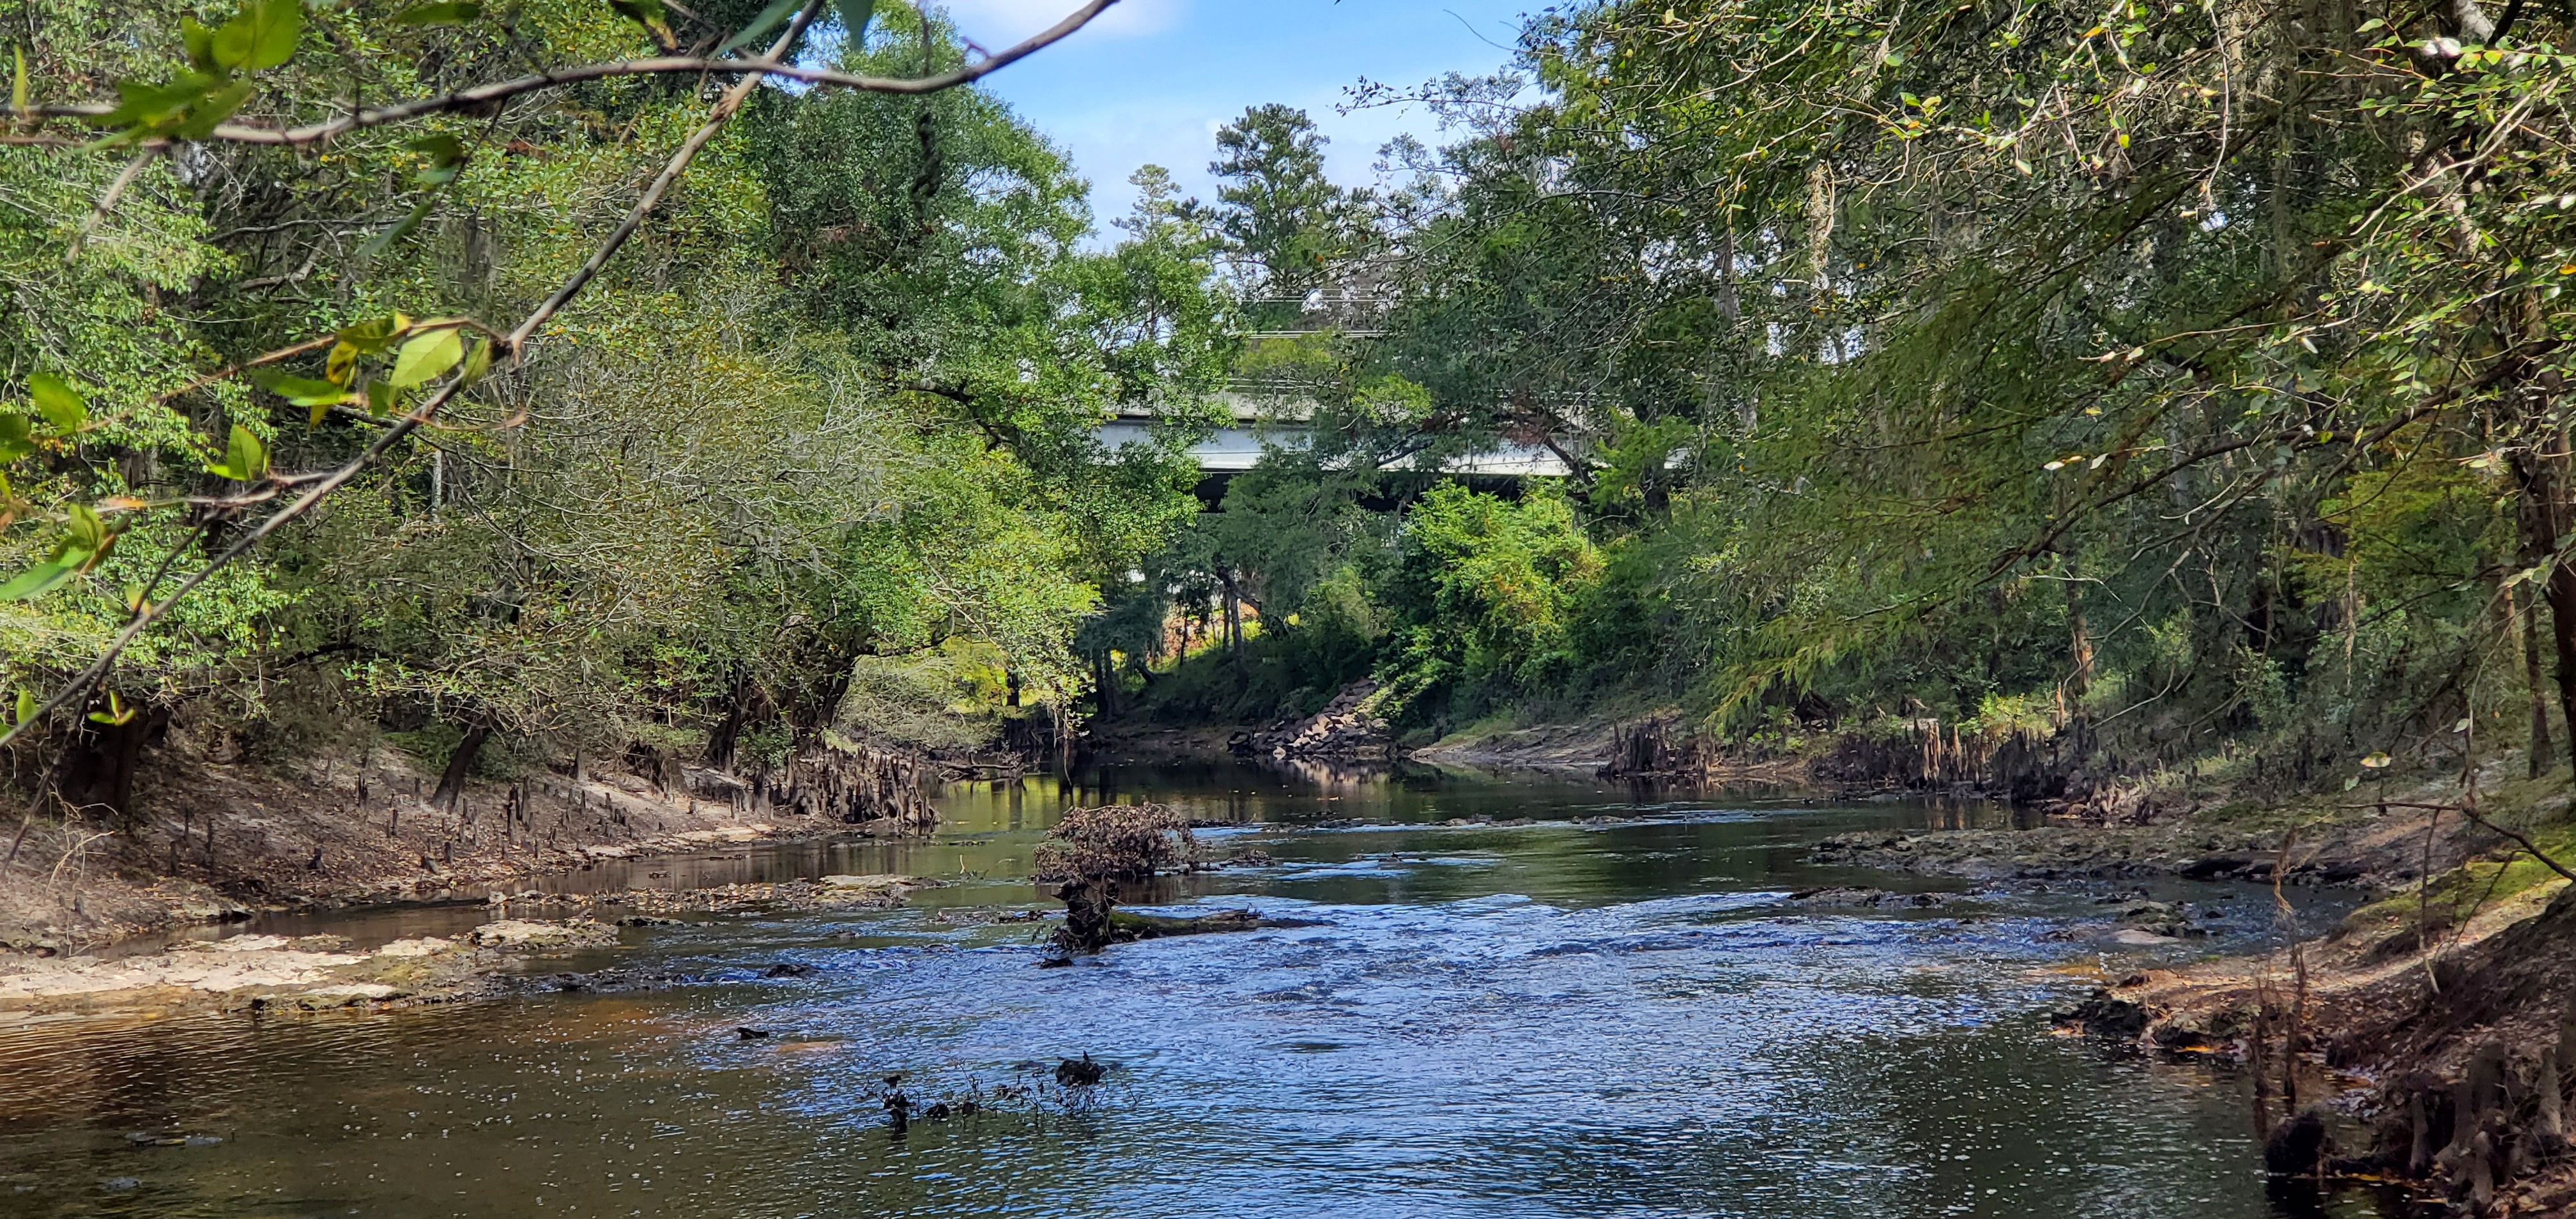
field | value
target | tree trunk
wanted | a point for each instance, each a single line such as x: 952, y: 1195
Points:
x: 98, y: 770
x: 2079, y: 675
x: 727, y: 734
x: 2543, y: 520
x: 451, y: 782
x: 2526, y: 608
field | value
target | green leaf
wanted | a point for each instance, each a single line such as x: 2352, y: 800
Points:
x: 35, y: 582
x: 478, y: 361
x: 142, y: 105
x: 218, y: 106
x: 384, y: 241
x: 87, y: 532
x: 14, y: 442
x: 447, y: 12
x: 18, y: 84
x: 854, y: 20
x: 761, y: 25
x: 427, y: 356
x: 650, y: 14
x: 305, y: 391
x: 246, y: 458
x: 374, y: 334
x: 62, y: 406
x: 446, y: 157
x: 27, y: 705
x: 261, y: 36
x: 200, y: 42
x: 380, y: 398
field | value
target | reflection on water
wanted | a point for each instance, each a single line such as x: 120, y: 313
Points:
x: 1547, y: 1014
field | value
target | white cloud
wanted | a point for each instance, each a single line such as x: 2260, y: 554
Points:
x: 999, y: 23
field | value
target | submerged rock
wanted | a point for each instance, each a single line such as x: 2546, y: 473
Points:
x: 2103, y: 1014
x: 529, y: 933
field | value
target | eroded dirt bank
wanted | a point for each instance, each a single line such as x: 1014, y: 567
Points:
x: 213, y: 842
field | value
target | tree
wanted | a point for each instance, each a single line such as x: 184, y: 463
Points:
x: 537, y: 527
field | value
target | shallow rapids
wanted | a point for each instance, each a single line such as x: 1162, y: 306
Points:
x: 1562, y: 1017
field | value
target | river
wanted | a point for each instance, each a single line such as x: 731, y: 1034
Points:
x: 1606, y: 1007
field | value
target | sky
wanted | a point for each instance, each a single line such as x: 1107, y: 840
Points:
x: 1152, y: 80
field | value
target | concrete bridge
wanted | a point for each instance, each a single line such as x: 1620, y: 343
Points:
x: 1238, y: 446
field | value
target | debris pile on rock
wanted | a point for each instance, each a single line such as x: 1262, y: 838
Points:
x: 1114, y: 842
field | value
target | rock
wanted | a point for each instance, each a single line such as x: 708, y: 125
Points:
x: 2103, y: 1014
x: 529, y: 933
x: 788, y: 969
x: 2136, y: 937
x: 748, y: 1033
x: 2158, y: 920
x: 2213, y: 867
x: 1878, y: 899
x: 346, y: 995
x: 1347, y: 727
x: 648, y: 920
x: 1079, y: 1074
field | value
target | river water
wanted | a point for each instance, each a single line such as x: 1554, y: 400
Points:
x: 1603, y: 1005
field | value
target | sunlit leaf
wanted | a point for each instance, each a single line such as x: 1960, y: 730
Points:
x: 261, y: 36
x: 62, y: 406
x: 18, y: 91
x: 35, y: 582
x: 342, y: 364
x: 200, y: 42
x: 305, y: 391
x: 27, y: 705
x: 375, y: 334
x: 478, y: 360
x: 2376, y: 761
x: 245, y: 458
x: 87, y: 532
x: 426, y: 356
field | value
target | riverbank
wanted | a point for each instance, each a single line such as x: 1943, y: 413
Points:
x: 214, y: 841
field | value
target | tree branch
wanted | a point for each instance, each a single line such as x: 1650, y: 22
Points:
x: 481, y: 97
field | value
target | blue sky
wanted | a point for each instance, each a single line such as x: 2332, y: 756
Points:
x: 1152, y: 80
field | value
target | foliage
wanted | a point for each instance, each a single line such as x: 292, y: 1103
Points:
x: 2192, y: 373
x: 752, y: 431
